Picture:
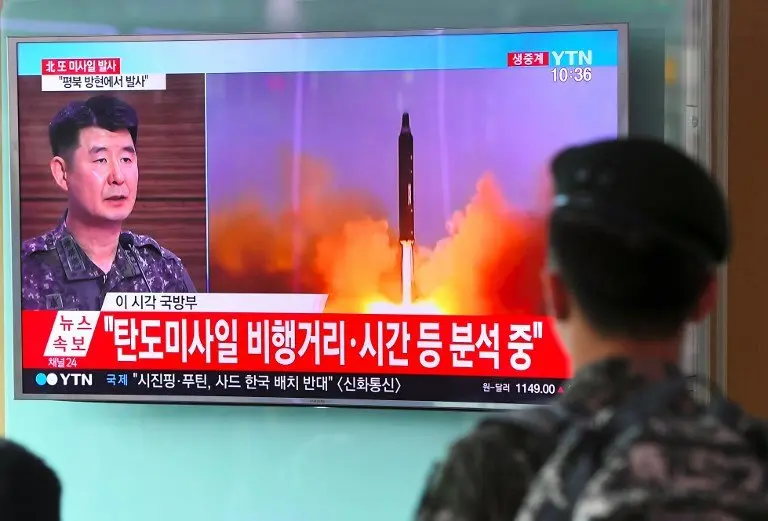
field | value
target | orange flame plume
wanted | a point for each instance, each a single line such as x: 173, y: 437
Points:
x: 488, y: 262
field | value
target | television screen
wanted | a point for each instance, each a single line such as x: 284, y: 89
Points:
x: 315, y: 219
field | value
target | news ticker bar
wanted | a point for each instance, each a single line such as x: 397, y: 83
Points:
x: 417, y: 388
x: 323, y: 54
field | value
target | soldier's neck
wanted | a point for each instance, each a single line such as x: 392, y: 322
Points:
x: 98, y: 242
x: 588, y: 347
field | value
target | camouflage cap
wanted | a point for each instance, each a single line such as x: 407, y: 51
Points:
x: 641, y: 189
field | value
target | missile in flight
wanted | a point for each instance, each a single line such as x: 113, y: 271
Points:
x: 405, y: 178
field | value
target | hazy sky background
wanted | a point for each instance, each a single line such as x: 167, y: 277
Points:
x: 464, y: 122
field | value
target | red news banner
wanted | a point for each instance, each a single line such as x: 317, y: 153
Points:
x: 81, y: 66
x: 94, y: 74
x: 198, y: 340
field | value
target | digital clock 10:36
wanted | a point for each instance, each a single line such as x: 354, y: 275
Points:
x: 575, y: 74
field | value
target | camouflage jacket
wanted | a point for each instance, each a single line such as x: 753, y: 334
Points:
x: 57, y: 274
x: 487, y: 474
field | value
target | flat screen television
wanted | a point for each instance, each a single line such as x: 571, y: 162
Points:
x: 306, y: 219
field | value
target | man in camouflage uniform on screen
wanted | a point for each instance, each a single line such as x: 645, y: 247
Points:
x: 637, y: 231
x: 88, y: 255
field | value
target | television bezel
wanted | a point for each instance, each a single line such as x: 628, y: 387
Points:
x: 13, y: 212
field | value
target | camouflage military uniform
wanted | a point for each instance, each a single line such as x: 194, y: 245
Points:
x: 488, y: 473
x: 57, y: 274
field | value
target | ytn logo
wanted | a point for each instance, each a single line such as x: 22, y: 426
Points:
x: 73, y: 379
x: 572, y: 58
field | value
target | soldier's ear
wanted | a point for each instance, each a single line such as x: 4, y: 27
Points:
x: 707, y: 301
x: 556, y: 295
x: 59, y: 172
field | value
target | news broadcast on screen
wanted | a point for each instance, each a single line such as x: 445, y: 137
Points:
x: 314, y: 219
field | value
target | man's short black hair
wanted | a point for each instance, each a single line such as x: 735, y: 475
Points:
x: 102, y: 111
x: 29, y: 489
x: 636, y: 232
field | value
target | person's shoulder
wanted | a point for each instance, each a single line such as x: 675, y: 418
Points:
x: 39, y: 258
x: 532, y: 431
x: 496, y: 439
x: 44, y: 242
x: 148, y: 246
x: 41, y: 269
x: 155, y: 260
x: 487, y: 472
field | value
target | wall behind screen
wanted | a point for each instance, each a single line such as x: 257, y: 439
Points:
x: 744, y: 160
x: 129, y: 462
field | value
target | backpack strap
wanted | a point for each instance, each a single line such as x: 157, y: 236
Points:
x: 593, y: 441
x: 585, y: 444
x: 589, y: 442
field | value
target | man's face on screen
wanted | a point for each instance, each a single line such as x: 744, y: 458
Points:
x: 102, y: 175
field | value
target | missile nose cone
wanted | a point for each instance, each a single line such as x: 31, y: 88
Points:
x: 406, y: 124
